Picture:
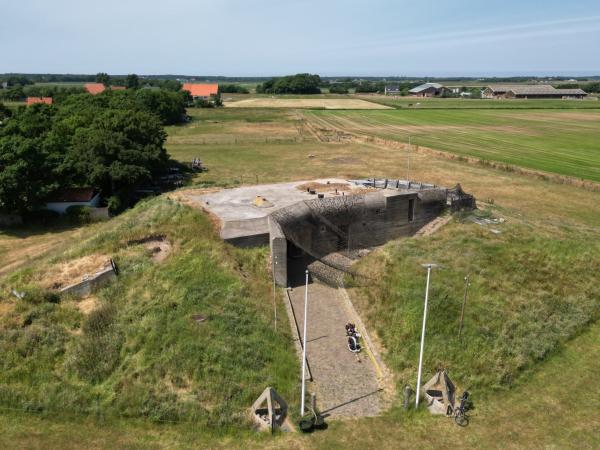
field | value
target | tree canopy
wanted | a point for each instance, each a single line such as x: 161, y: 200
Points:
x: 302, y: 83
x: 113, y: 141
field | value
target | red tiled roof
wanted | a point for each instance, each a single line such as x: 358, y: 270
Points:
x: 33, y: 100
x: 94, y: 88
x: 201, y: 90
x: 71, y: 195
x: 117, y: 88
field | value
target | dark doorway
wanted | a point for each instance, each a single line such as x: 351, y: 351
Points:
x: 411, y: 210
x: 297, y: 262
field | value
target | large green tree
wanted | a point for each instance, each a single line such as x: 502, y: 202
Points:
x: 111, y: 142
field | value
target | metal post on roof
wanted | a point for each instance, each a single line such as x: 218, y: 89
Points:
x: 408, y: 162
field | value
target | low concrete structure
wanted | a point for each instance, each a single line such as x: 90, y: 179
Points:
x: 92, y: 282
x: 328, y: 220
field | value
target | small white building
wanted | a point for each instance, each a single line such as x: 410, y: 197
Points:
x: 63, y: 199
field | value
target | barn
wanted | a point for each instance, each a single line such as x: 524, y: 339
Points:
x: 531, y: 91
x: 427, y: 90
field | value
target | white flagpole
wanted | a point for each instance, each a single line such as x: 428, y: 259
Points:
x: 304, y: 347
x: 429, y: 267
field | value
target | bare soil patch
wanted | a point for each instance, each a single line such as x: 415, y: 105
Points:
x: 158, y: 246
x: 325, y: 103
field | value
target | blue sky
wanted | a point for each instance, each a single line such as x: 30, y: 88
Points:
x: 275, y: 37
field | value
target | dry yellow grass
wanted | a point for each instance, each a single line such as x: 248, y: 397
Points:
x: 324, y: 103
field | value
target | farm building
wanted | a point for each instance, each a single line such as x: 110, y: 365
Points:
x: 34, y: 100
x: 201, y: 91
x: 94, y: 88
x: 427, y: 90
x: 531, y: 91
x: 392, y: 90
x: 65, y: 198
x: 98, y: 88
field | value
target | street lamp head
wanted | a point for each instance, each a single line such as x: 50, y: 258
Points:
x: 430, y: 265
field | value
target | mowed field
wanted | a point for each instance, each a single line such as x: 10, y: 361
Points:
x: 313, y: 102
x: 477, y: 103
x: 562, y: 142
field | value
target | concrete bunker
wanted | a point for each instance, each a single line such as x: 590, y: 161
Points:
x: 331, y: 225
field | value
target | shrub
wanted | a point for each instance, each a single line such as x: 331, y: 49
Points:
x: 78, y: 214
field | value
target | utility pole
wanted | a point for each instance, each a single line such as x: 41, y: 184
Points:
x: 462, y: 311
x: 429, y: 267
x: 408, y: 161
x: 303, y: 394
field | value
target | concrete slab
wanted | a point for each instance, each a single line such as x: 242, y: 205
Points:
x: 241, y: 215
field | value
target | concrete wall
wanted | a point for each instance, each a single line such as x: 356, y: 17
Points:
x: 324, y: 226
x: 278, y: 244
x: 86, y: 287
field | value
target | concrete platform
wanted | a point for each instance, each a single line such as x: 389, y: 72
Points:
x: 244, y: 221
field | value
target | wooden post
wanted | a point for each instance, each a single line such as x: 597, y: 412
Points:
x: 462, y: 311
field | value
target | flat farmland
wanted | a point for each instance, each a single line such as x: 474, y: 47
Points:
x: 312, y: 102
x: 475, y: 103
x: 561, y: 142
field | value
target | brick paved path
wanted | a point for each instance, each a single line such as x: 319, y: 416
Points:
x: 346, y: 384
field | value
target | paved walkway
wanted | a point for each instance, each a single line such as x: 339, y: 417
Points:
x: 346, y: 384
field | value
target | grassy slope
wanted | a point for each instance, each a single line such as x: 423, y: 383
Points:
x: 533, y: 288
x: 144, y: 356
x: 552, y: 408
x: 563, y: 142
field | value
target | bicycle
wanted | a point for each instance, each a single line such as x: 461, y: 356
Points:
x: 460, y: 413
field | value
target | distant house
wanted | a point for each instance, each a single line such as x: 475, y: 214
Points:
x: 201, y: 91
x: 98, y: 88
x: 392, y: 90
x: 65, y: 198
x: 94, y: 88
x: 531, y: 91
x: 427, y: 90
x: 34, y: 100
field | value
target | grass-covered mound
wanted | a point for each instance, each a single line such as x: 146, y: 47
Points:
x: 138, y: 352
x: 532, y: 289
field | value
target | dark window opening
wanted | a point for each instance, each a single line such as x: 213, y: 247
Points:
x: 411, y: 210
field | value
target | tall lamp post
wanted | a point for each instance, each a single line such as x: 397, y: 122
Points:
x: 303, y: 394
x: 429, y: 267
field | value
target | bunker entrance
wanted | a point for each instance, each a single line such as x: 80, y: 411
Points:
x: 297, y: 262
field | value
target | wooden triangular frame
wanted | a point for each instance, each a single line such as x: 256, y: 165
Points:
x: 275, y: 410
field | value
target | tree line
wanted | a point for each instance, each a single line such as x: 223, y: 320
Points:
x: 302, y: 83
x: 113, y: 141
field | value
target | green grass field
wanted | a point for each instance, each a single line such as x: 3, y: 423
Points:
x: 481, y: 103
x: 562, y: 142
